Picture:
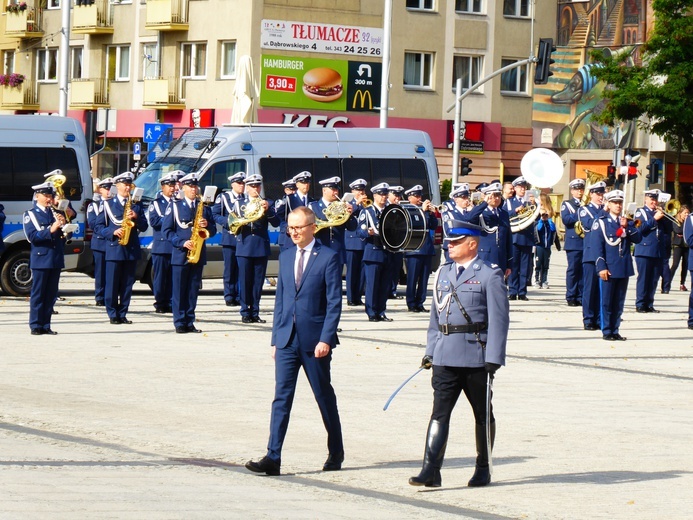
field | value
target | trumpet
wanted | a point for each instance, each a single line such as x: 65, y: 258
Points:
x: 366, y: 203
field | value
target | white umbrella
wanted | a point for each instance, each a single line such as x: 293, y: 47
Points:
x: 244, y: 93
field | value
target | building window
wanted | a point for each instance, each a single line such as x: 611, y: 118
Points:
x: 150, y: 69
x: 423, y: 5
x: 8, y: 62
x: 468, y: 6
x: 47, y: 65
x: 418, y: 69
x: 468, y: 68
x: 53, y: 4
x: 118, y: 64
x: 194, y: 62
x: 519, y: 8
x: 76, y: 66
x: 228, y: 60
x: 513, y: 81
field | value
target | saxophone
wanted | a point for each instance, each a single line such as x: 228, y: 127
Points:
x: 126, y: 224
x: 198, y: 236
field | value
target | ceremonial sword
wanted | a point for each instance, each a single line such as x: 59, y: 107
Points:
x: 400, y: 387
x: 489, y: 391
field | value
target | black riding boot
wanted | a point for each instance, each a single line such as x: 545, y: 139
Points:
x: 482, y: 473
x: 436, y: 442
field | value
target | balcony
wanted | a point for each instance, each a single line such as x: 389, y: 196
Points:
x: 95, y: 18
x: 89, y: 94
x: 163, y: 94
x: 23, y: 24
x: 167, y: 15
x: 19, y: 98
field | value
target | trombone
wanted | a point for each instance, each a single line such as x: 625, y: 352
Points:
x: 670, y: 207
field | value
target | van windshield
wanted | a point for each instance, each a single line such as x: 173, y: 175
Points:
x: 149, y: 178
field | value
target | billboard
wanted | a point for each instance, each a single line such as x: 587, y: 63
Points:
x: 320, y: 84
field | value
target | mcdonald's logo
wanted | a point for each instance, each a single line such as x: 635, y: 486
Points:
x: 363, y: 94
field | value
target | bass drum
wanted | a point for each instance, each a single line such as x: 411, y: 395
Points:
x: 402, y: 227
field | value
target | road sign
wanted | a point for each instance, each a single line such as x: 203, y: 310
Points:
x: 136, y: 150
x: 152, y: 131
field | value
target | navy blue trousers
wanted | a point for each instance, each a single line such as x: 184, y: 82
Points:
x: 162, y: 276
x: 287, y: 364
x: 542, y: 260
x: 377, y: 288
x: 418, y: 272
x: 521, y: 270
x: 591, y: 303
x: 186, y: 287
x: 230, y: 273
x: 251, y: 277
x: 120, y: 277
x: 613, y: 298
x: 354, y: 275
x: 99, y: 275
x: 573, y: 276
x: 649, y: 271
x: 393, y: 269
x: 44, y: 292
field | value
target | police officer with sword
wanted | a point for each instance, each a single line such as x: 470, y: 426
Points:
x: 467, y: 336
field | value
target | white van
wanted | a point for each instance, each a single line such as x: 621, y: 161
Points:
x: 30, y: 147
x: 278, y: 152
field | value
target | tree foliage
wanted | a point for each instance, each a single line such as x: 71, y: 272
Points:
x: 661, y: 88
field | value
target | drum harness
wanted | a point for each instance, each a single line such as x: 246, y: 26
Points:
x: 444, y: 305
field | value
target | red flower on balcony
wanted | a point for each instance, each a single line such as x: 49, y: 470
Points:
x: 11, y: 80
x: 17, y: 8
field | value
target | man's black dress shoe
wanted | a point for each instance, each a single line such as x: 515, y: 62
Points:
x: 36, y: 332
x: 573, y: 303
x: 49, y: 331
x: 160, y: 311
x: 523, y: 298
x: 264, y: 465
x: 354, y: 304
x: 395, y: 297
x: 333, y: 462
x: 384, y: 318
x: 373, y: 318
x: 191, y: 328
x: 512, y: 297
x: 181, y: 330
x: 115, y: 321
x: 641, y: 309
x: 617, y: 337
x: 591, y: 326
x: 100, y: 304
x: 665, y: 292
x: 125, y: 321
x: 55, y: 312
x: 233, y: 303
x: 414, y: 309
x: 652, y: 309
x: 690, y: 327
x: 608, y: 337
x: 247, y: 319
x: 258, y: 319
x: 422, y: 309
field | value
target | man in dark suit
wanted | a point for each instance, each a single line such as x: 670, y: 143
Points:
x: 309, y: 292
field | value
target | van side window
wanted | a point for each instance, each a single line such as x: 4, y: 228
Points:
x: 22, y: 168
x: 220, y: 172
x: 274, y: 171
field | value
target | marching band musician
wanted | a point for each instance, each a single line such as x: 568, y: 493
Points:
x: 223, y: 206
x: 688, y: 241
x: 419, y: 261
x: 70, y: 213
x: 496, y: 244
x: 467, y: 337
x: 649, y: 253
x: 523, y: 242
x: 121, y: 261
x: 458, y: 209
x: 354, y: 246
x: 614, y: 235
x: 333, y: 236
x: 395, y: 194
x: 177, y: 227
x: 573, y: 246
x: 253, y: 250
x: 42, y: 227
x: 162, y: 274
x: 591, y: 306
x: 375, y: 256
x: 98, y: 242
x: 300, y: 197
x: 282, y: 208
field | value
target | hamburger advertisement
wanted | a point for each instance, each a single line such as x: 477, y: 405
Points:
x: 296, y: 82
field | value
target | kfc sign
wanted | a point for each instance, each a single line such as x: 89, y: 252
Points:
x: 314, y: 120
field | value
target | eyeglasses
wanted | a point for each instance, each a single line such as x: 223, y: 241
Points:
x: 294, y: 229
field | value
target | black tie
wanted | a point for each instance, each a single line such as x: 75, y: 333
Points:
x: 299, y: 270
x: 460, y: 270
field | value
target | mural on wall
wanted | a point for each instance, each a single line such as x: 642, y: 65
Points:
x: 563, y: 108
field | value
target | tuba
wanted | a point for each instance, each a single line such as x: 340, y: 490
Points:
x: 250, y: 212
x: 542, y: 168
x: 126, y: 224
x: 199, y: 234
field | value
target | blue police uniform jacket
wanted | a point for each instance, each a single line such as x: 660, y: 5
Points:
x: 495, y: 247
x: 223, y: 206
x: 587, y: 215
x: 47, y: 249
x: 481, y: 292
x: 283, y: 207
x: 613, y: 251
x: 253, y: 239
x: 570, y: 215
x: 98, y: 242
x: 426, y: 248
x: 177, y: 228
x: 652, y: 234
x: 352, y: 240
x: 526, y: 236
x: 332, y: 237
x: 155, y: 214
x: 2, y: 225
x: 688, y: 237
x: 373, y: 250
x: 110, y: 220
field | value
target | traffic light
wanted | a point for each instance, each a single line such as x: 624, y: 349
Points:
x: 543, y: 65
x: 466, y: 170
x: 632, y: 170
x: 610, y: 175
x: 653, y: 176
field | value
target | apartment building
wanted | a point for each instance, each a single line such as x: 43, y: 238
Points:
x: 164, y: 61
